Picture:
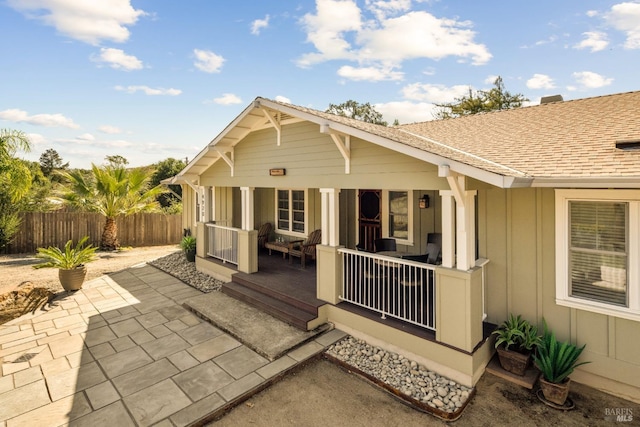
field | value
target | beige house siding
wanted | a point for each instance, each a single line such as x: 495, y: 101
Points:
x: 312, y: 160
x: 517, y: 233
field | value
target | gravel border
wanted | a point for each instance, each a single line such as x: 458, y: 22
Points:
x: 399, y: 373
x: 176, y: 264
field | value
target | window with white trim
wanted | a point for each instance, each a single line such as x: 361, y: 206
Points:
x: 598, y: 251
x: 398, y: 215
x: 291, y: 211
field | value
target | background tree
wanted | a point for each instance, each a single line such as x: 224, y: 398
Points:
x: 15, y: 181
x: 355, y: 110
x: 170, y: 201
x: 116, y: 160
x: 112, y: 191
x: 50, y: 161
x: 481, y: 101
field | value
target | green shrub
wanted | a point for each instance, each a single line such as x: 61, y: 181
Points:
x: 556, y: 360
x: 68, y: 258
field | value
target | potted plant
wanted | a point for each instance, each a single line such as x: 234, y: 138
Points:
x: 556, y: 361
x: 188, y: 245
x: 516, y: 339
x: 70, y: 262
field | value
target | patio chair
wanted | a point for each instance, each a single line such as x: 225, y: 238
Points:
x: 304, y: 249
x: 386, y: 244
x: 263, y: 234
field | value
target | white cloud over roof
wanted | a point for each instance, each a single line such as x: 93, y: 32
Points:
x: 540, y: 81
x: 594, y: 40
x: 87, y: 21
x: 385, y: 37
x: 259, y: 24
x: 148, y: 90
x: 208, y: 61
x: 625, y: 17
x: 117, y: 59
x: 48, y: 120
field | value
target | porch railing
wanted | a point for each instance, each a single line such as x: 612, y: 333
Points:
x: 222, y: 243
x: 390, y: 286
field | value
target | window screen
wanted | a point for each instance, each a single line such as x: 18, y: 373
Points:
x: 598, y: 251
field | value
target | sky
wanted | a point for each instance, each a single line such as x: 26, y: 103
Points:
x: 153, y: 79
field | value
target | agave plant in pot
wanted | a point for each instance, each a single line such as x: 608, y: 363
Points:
x: 515, y: 342
x: 188, y: 245
x: 69, y: 261
x: 556, y: 360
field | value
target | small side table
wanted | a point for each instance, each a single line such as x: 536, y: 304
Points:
x: 278, y: 247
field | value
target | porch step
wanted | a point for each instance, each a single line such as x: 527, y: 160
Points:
x: 278, y: 293
x: 277, y: 308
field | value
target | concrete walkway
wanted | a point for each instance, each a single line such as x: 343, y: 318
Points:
x: 123, y: 351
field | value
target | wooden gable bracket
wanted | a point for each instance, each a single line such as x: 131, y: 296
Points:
x: 456, y: 182
x: 343, y: 146
x: 276, y: 124
x: 226, y: 158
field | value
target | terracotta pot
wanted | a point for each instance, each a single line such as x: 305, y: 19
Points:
x: 513, y: 361
x: 72, y: 279
x: 556, y: 393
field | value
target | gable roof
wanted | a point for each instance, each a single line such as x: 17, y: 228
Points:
x: 554, y: 142
x: 570, y: 143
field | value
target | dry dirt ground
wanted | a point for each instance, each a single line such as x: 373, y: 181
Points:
x: 18, y: 268
x: 322, y: 394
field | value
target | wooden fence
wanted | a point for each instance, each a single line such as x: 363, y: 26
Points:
x: 43, y: 229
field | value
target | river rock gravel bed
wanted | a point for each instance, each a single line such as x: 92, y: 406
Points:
x: 176, y: 264
x: 402, y: 374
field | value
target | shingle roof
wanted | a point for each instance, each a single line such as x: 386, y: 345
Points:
x: 567, y: 139
x: 570, y: 139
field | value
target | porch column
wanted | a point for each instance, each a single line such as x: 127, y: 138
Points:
x: 329, y: 263
x: 247, y: 236
x: 465, y: 248
x: 448, y: 231
x: 330, y: 206
x: 247, y: 208
x: 208, y: 204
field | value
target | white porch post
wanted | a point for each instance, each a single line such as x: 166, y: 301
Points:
x: 328, y: 260
x: 448, y: 231
x: 465, y: 248
x: 330, y: 224
x: 247, y: 208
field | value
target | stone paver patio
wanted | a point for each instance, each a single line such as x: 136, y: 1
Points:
x: 123, y: 351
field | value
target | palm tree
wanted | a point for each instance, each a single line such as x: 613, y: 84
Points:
x: 112, y: 191
x: 15, y: 182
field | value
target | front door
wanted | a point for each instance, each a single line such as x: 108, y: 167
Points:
x: 370, y: 218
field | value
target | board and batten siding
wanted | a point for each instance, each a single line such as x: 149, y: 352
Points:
x: 517, y: 234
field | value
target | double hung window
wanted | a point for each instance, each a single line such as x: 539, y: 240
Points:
x: 291, y: 210
x: 597, y: 251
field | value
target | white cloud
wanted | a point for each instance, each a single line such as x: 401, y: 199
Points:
x: 112, y: 130
x: 434, y: 94
x: 259, y: 24
x: 36, y: 138
x: 540, y: 81
x: 88, y: 21
x: 389, y: 35
x: 228, y: 99
x: 406, y: 111
x: 592, y: 13
x: 148, y: 90
x: 86, y: 137
x: 490, y: 79
x: 625, y: 17
x: 48, y: 120
x: 283, y: 99
x: 594, y: 40
x: 116, y: 58
x: 591, y: 80
x: 208, y: 61
x: 372, y: 74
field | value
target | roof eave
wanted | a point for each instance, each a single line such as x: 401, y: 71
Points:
x: 588, y: 182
